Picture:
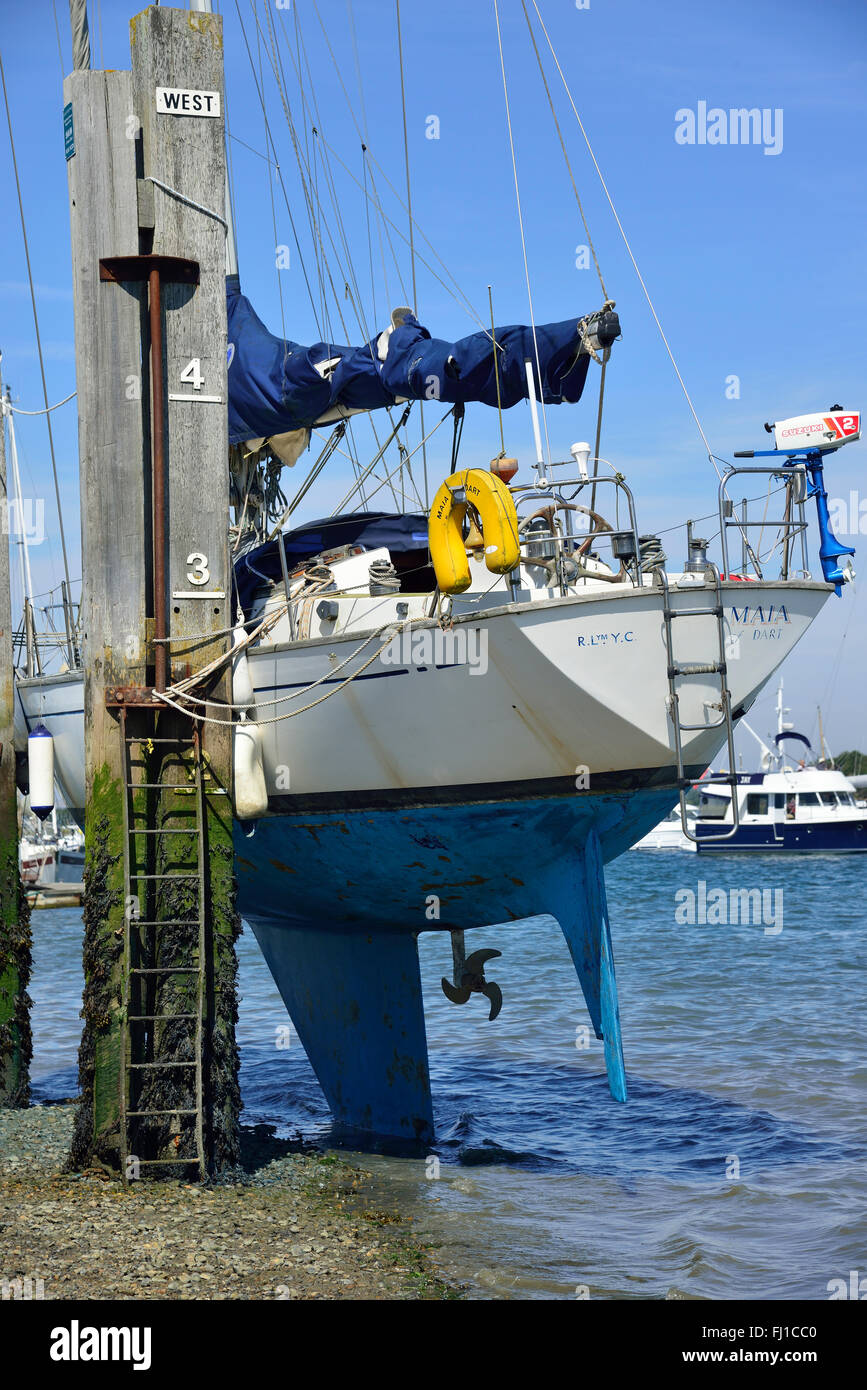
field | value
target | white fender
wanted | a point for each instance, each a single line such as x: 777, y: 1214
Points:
x: 40, y: 759
x: 251, y: 791
x: 243, y: 695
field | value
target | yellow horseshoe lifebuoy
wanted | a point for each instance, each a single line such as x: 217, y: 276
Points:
x: 491, y: 499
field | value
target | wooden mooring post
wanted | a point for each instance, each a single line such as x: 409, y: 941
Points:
x: 15, y: 1036
x: 158, y: 1060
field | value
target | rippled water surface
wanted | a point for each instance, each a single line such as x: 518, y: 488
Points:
x: 738, y: 1167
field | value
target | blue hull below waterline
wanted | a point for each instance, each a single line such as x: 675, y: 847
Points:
x: 337, y: 900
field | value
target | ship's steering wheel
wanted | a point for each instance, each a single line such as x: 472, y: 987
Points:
x: 549, y: 510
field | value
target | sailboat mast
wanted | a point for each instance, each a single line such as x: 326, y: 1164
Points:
x: 24, y: 551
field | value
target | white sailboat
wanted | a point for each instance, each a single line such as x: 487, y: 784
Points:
x: 669, y: 833
x: 453, y: 719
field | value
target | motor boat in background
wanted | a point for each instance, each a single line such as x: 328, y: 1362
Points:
x: 786, y: 808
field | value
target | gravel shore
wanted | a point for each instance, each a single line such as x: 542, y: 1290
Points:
x: 290, y: 1226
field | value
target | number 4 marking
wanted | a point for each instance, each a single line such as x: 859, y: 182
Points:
x: 192, y: 374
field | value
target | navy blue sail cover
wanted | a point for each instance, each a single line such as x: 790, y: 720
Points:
x: 399, y: 532
x: 274, y: 385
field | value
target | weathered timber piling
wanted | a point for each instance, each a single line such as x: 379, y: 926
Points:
x: 158, y: 1060
x: 15, y: 1038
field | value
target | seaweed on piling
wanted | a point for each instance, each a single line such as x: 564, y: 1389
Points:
x: 101, y: 959
x: 223, y: 1091
x: 16, y: 1038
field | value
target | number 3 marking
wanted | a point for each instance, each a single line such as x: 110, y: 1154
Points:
x: 199, y: 574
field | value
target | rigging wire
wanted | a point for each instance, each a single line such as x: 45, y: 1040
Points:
x: 370, y: 467
x: 270, y: 137
x: 369, y: 237
x: 367, y: 172
x: 279, y: 171
x: 392, y: 437
x: 353, y: 293
x: 38, y: 338
x: 231, y: 240
x: 382, y: 482
x: 296, y: 19
x: 692, y: 408
x: 411, y: 455
x: 364, y: 126
x: 497, y: 374
x: 354, y: 35
x: 590, y: 245
x: 389, y: 630
x: 459, y: 295
x: 411, y: 232
x: 521, y: 226
x: 320, y: 158
x: 59, y: 45
x: 330, y: 446
x: 310, y: 180
x: 236, y: 140
x: 47, y: 410
x: 259, y: 86
x: 306, y: 178
x: 274, y: 220
x: 598, y: 444
x: 361, y: 131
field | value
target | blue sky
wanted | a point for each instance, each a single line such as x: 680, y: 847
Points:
x: 755, y: 261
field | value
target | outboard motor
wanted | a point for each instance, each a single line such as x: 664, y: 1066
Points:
x: 805, y: 439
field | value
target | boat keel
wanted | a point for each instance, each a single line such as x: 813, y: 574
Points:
x: 355, y: 999
x: 577, y: 900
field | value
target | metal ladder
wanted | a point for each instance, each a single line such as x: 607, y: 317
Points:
x: 138, y: 1039
x: 678, y: 670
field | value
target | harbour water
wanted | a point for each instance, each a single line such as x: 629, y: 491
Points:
x: 738, y: 1168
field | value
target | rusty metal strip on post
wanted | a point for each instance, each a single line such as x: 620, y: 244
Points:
x: 157, y: 270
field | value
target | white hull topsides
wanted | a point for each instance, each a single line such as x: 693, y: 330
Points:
x: 521, y: 693
x: 512, y: 698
